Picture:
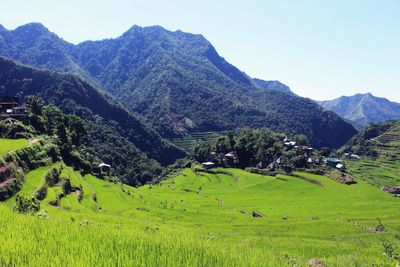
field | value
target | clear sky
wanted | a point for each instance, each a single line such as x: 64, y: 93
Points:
x: 321, y: 49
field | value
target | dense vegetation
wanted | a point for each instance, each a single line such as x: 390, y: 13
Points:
x: 114, y: 135
x: 178, y: 82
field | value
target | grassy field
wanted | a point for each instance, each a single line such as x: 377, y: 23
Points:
x: 203, y: 219
x: 7, y: 145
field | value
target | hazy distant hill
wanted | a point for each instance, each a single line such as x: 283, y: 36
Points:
x: 362, y: 109
x: 178, y: 82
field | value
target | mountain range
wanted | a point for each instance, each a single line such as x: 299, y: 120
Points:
x: 362, y: 109
x: 177, y: 82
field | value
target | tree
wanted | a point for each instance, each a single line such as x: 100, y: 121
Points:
x: 301, y: 140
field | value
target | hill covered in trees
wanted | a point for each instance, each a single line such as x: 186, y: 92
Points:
x: 114, y: 135
x: 178, y: 82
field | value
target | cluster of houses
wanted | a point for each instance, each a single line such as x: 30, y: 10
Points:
x: 11, y: 107
x: 227, y: 160
x: 339, y: 164
x: 230, y: 159
x: 395, y: 191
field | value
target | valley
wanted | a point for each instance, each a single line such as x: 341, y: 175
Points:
x: 148, y: 148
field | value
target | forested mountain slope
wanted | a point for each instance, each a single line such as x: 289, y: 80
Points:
x: 116, y: 135
x: 178, y: 82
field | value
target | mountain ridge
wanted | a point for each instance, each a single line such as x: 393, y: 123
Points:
x: 362, y: 109
x: 179, y: 83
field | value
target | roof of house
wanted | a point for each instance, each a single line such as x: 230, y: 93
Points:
x: 104, y: 165
x: 334, y: 160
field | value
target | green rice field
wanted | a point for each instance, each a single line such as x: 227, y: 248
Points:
x: 188, y: 142
x: 8, y: 145
x: 385, y: 170
x: 202, y: 219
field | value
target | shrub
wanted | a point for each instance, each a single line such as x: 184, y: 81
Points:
x: 26, y: 205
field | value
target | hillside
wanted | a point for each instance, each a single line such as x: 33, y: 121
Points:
x: 178, y: 82
x: 362, y: 109
x: 196, y: 218
x: 379, y: 148
x: 116, y: 135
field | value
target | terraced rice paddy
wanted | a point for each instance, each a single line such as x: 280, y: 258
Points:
x: 7, y: 145
x: 203, y: 219
x: 188, y: 142
x: 376, y: 172
x: 385, y: 170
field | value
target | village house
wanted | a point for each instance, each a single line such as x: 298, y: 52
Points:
x: 101, y: 169
x: 334, y: 163
x: 10, y: 106
x: 261, y: 165
x: 340, y: 166
x: 290, y: 144
x: 229, y: 159
x: 354, y: 156
x: 208, y: 165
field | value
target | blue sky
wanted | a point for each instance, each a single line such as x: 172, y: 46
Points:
x: 321, y: 49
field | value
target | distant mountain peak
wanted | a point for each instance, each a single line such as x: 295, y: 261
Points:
x: 362, y: 109
x: 136, y: 28
x: 32, y: 27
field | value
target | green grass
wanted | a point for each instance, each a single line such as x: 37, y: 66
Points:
x: 8, y: 145
x: 202, y: 219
